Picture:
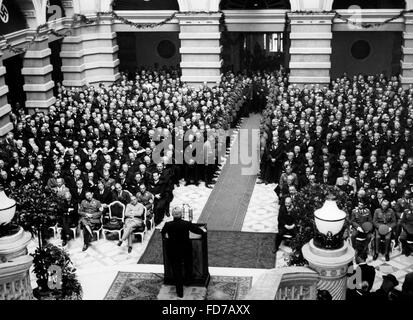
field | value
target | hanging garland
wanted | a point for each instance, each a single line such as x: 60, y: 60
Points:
x: 82, y: 19
x: 42, y: 30
x: 364, y: 25
x: 361, y: 25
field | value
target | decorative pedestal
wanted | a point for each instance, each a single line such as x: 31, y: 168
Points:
x: 14, y: 267
x: 332, y: 266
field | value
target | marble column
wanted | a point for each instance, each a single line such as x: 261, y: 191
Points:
x: 90, y: 55
x: 331, y: 265
x: 5, y: 108
x: 200, y: 48
x: 37, y: 72
x: 406, y: 76
x: 310, y: 50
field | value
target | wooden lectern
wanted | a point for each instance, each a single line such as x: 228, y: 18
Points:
x: 200, y: 273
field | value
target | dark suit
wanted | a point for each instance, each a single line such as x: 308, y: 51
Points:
x: 77, y: 196
x: 272, y: 169
x: 160, y: 204
x: 179, y: 249
x: 123, y: 197
x: 285, y: 218
x: 103, y: 197
x: 379, y: 296
x: 69, y: 216
x: 368, y: 273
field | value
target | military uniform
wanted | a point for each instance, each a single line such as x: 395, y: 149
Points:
x: 358, y: 217
x: 388, y: 218
x: 146, y: 199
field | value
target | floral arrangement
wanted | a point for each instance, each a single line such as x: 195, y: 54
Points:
x: 308, y: 200
x: 66, y: 286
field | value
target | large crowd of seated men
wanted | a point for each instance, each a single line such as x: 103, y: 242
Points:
x: 356, y: 134
x: 130, y: 142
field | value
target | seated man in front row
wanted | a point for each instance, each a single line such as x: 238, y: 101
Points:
x: 90, y: 211
x: 362, y: 223
x: 384, y: 222
x: 406, y: 223
x: 134, y: 215
x: 146, y: 198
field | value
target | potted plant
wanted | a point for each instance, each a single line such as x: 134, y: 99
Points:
x: 36, y: 209
x: 56, y: 277
x: 306, y: 202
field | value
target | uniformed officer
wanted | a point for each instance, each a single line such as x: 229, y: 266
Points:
x: 384, y: 222
x: 146, y: 198
x: 362, y: 223
x: 90, y: 211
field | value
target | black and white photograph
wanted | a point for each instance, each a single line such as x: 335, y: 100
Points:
x: 206, y: 154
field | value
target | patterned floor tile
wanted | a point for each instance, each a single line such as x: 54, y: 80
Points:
x: 262, y: 210
x: 395, y: 264
x: 400, y: 274
x: 403, y: 260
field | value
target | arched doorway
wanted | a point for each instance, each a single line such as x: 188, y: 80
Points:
x: 56, y: 62
x: 254, y: 50
x: 15, y: 81
x: 12, y: 20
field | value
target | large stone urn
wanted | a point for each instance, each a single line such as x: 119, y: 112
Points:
x: 14, y: 260
x: 328, y: 253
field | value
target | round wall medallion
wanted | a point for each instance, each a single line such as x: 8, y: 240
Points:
x: 166, y: 49
x: 360, y: 49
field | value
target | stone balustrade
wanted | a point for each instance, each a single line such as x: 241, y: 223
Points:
x: 14, y: 267
x: 15, y: 279
x: 290, y: 283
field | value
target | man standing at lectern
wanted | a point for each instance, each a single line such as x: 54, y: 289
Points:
x: 179, y: 247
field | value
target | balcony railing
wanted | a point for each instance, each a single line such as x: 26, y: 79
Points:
x: 291, y: 283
